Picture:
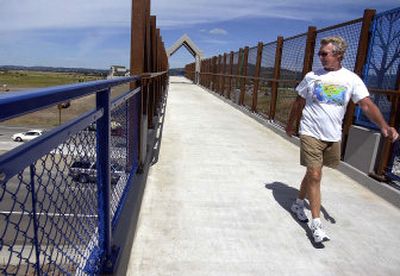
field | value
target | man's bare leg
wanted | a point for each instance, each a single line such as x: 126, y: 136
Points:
x: 312, y: 185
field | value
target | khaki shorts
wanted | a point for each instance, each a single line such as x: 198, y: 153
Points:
x: 317, y: 153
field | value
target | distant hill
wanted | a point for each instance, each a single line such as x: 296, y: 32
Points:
x: 55, y: 69
x: 177, y: 72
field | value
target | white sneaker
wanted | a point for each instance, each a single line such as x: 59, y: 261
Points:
x: 318, y: 233
x: 298, y: 210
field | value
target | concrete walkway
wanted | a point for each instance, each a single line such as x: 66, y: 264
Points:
x: 217, y: 203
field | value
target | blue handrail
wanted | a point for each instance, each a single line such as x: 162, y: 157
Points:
x: 15, y: 104
x: 61, y: 210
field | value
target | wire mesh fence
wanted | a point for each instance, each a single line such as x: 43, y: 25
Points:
x: 49, y: 211
x: 250, y: 81
x: 290, y: 72
x: 381, y: 73
x: 266, y: 73
x: 383, y: 63
x: 283, y: 68
x: 51, y: 206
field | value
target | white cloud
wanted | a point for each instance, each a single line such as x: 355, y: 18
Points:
x: 59, y: 14
x: 193, y: 12
x: 218, y: 31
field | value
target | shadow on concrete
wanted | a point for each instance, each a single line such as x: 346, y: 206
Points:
x: 125, y: 231
x: 285, y: 195
x: 158, y: 135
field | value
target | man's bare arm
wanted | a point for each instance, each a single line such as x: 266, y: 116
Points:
x: 375, y: 115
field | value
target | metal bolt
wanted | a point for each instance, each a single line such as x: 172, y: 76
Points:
x: 2, y: 176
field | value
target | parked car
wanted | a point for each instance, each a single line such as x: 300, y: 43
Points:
x: 116, y: 128
x: 28, y: 135
x: 85, y: 171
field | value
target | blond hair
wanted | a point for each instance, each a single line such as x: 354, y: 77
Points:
x: 338, y: 42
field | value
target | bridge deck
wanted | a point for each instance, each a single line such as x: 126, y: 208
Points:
x: 217, y: 203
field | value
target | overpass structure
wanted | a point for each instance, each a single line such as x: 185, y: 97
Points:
x: 216, y: 178
x: 191, y: 47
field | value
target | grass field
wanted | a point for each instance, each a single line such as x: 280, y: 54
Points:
x: 17, y: 80
x: 47, y: 118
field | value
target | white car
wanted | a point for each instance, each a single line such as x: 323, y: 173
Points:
x: 28, y: 135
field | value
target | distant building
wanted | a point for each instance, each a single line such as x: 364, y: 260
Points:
x: 117, y: 71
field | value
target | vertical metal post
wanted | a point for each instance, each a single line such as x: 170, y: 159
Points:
x: 159, y: 64
x: 238, y: 74
x: 35, y: 222
x: 223, y: 76
x: 103, y: 135
x: 153, y: 68
x: 208, y: 84
x: 243, y: 79
x: 309, y: 51
x: 394, y: 121
x: 214, y: 72
x: 277, y: 75
x: 210, y: 72
x: 220, y: 66
x: 153, y: 25
x: 362, y: 51
x: 230, y: 74
x: 308, y: 58
x: 137, y: 64
x: 260, y: 47
x: 144, y: 125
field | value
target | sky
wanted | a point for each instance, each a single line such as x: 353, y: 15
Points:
x: 96, y: 33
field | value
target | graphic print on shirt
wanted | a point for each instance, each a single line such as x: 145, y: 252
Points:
x: 329, y: 93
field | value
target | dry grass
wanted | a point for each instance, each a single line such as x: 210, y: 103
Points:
x: 49, y: 117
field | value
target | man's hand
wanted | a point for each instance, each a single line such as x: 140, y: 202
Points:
x: 374, y: 114
x: 391, y: 133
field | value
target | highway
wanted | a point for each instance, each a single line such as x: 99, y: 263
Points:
x: 6, y: 143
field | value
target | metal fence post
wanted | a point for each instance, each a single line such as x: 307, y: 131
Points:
x: 308, y: 58
x: 219, y: 72
x: 237, y: 77
x: 223, y: 72
x: 387, y: 146
x: 35, y: 222
x: 136, y: 68
x: 243, y: 79
x: 210, y: 71
x: 363, y: 45
x: 277, y: 74
x: 260, y: 47
x: 103, y: 135
x: 230, y: 74
x: 214, y: 71
x: 309, y: 51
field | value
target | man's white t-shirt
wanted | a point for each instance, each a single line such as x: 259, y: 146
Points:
x: 327, y: 94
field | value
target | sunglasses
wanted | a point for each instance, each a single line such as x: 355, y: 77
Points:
x: 323, y: 54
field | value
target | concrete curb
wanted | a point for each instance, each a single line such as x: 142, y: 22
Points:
x: 384, y: 190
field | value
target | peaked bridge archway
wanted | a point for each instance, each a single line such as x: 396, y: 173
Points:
x: 192, y: 49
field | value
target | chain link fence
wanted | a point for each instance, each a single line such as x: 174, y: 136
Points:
x: 52, y: 208
x: 381, y: 72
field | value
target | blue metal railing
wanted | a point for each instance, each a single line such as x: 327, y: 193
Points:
x: 57, y: 214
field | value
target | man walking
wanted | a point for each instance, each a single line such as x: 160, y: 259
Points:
x: 322, y: 99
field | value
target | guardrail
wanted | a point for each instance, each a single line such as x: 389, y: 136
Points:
x: 61, y: 193
x: 262, y: 78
